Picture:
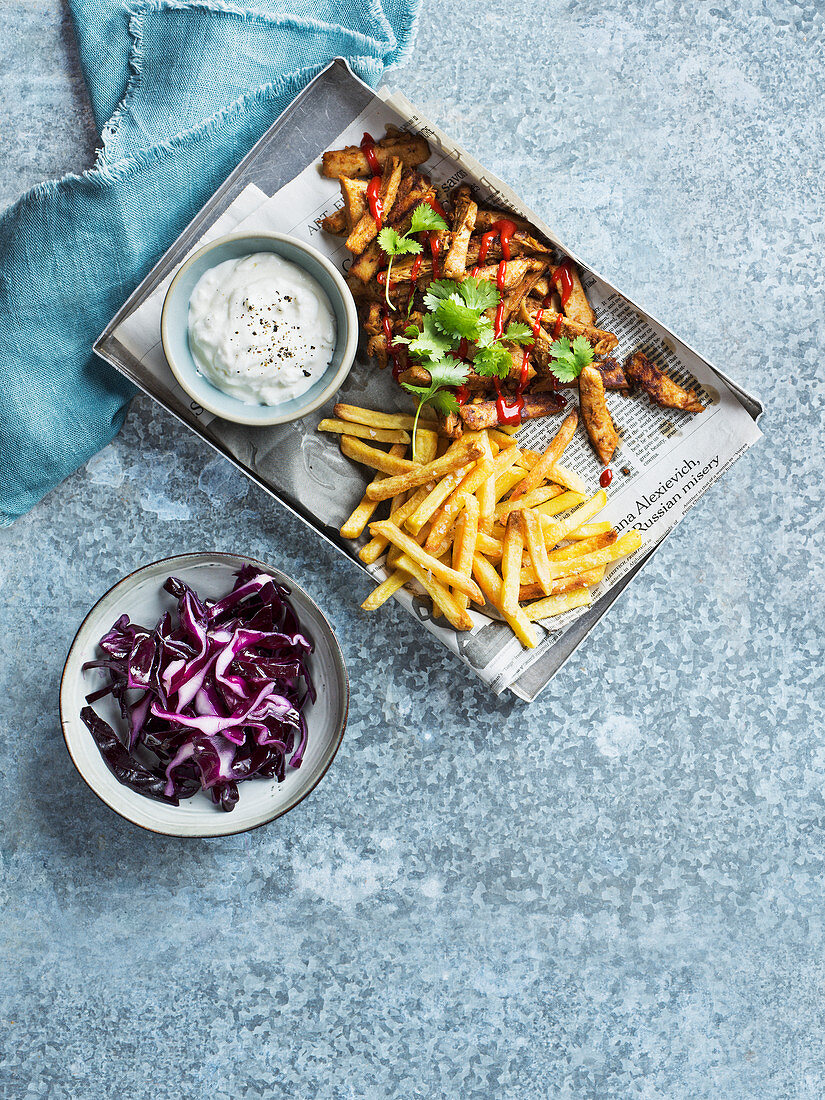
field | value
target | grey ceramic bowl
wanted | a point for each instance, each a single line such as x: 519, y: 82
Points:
x: 174, y: 327
x: 142, y: 598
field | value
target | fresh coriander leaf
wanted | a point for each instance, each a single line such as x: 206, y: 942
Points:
x: 391, y: 241
x: 519, y: 333
x: 429, y: 344
x: 438, y: 291
x: 582, y: 350
x: 493, y: 361
x: 448, y: 372
x: 425, y: 219
x: 456, y: 319
x: 479, y: 293
x: 485, y: 334
x: 444, y: 402
x: 560, y: 348
x: 565, y: 370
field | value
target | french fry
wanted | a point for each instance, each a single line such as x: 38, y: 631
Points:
x: 448, y: 513
x: 532, y: 590
x: 378, y: 460
x: 587, y: 530
x: 511, y: 563
x: 356, y: 415
x: 507, y: 481
x: 537, y: 550
x: 464, y: 545
x: 426, y: 445
x: 386, y: 589
x: 490, y: 584
x: 555, y: 605
x: 459, y: 455
x: 543, y: 468
x: 561, y: 503
x: 569, y: 479
x: 502, y: 437
x: 556, y: 530
x: 443, y: 599
x: 584, y: 546
x: 363, y: 431
x: 416, y: 553
x: 529, y: 500
x: 356, y: 523
x: 625, y: 545
x: 434, y: 498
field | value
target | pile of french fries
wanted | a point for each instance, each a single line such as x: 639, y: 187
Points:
x: 477, y: 520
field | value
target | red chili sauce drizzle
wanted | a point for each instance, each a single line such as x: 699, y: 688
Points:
x: 564, y: 276
x: 368, y: 149
x: 435, y: 249
x: 374, y: 199
x: 606, y: 478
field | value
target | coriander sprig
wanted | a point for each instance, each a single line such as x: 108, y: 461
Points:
x: 424, y: 220
x: 570, y: 359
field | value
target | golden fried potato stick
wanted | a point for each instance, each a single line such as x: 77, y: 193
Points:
x: 426, y: 445
x: 511, y: 563
x: 532, y: 590
x: 584, y: 546
x: 588, y: 529
x: 356, y: 415
x: 537, y: 550
x: 490, y: 583
x: 367, y: 228
x: 356, y: 523
x: 464, y: 545
x: 386, y: 589
x: 501, y: 437
x: 561, y: 503
x: 577, y: 305
x: 443, y: 599
x: 446, y: 516
x: 411, y: 149
x: 377, y: 460
x: 569, y: 479
x: 460, y: 454
x: 363, y: 431
x: 414, y: 552
x: 659, y: 387
x: 401, y: 509
x: 596, y: 415
x: 543, y: 469
x: 434, y: 498
x: 556, y: 530
x: 556, y: 605
x: 532, y: 499
x: 625, y: 545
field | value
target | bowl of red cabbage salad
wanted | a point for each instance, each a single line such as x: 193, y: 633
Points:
x: 210, y: 696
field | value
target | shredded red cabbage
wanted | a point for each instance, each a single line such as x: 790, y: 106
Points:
x: 210, y: 700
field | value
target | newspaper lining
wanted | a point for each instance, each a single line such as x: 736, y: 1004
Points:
x: 666, y: 462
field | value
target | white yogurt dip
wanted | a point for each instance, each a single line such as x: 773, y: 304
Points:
x: 260, y: 328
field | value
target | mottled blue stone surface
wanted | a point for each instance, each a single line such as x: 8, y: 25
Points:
x: 615, y: 892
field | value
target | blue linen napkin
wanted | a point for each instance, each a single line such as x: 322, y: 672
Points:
x: 180, y: 92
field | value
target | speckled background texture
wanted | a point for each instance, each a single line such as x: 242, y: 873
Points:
x: 615, y: 892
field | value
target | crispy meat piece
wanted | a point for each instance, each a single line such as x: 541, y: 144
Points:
x: 659, y: 388
x: 596, y: 415
x: 367, y: 228
x: 514, y: 297
x: 521, y: 244
x: 484, y: 414
x: 464, y: 220
x: 515, y: 272
x: 577, y: 307
x: 487, y: 217
x: 410, y: 149
x: 613, y: 377
x: 335, y: 223
x: 603, y: 342
x: 371, y: 259
x: 355, y: 200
